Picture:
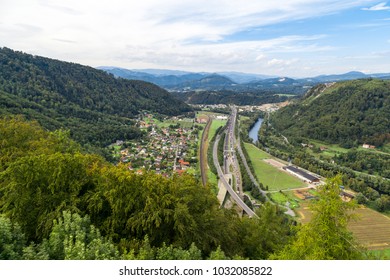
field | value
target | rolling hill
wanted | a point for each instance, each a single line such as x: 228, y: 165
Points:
x: 346, y: 113
x: 95, y: 106
x: 210, y: 82
x: 234, y: 81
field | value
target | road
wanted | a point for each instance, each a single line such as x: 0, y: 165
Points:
x: 248, y: 170
x: 229, y: 144
x: 230, y: 159
x: 238, y: 146
x: 230, y: 141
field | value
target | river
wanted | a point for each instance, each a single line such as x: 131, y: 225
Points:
x: 254, y: 132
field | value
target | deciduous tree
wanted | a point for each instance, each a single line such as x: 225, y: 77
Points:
x: 326, y: 236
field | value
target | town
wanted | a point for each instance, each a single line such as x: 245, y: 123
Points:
x: 169, y: 146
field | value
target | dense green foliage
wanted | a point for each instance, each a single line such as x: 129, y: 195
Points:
x: 221, y: 148
x: 73, y: 238
x: 58, y: 203
x: 347, y: 113
x: 96, y: 107
x: 12, y: 240
x: 210, y: 158
x: 326, y: 236
x: 364, y: 161
x: 230, y: 97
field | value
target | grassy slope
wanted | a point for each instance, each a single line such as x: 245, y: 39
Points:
x: 334, y: 149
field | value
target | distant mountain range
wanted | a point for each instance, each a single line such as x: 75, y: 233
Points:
x: 175, y: 80
x: 174, y: 77
x: 348, y: 76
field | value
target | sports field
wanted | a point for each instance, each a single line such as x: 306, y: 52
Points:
x: 268, y: 174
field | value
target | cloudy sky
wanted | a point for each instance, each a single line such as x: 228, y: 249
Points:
x: 297, y: 38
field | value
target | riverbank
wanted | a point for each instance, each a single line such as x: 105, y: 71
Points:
x: 254, y: 131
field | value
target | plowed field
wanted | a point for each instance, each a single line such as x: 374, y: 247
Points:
x: 371, y: 228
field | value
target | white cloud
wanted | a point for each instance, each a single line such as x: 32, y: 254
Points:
x: 379, y: 7
x: 221, y: 53
x: 281, y: 62
x: 260, y: 57
x: 275, y: 62
x: 166, y: 34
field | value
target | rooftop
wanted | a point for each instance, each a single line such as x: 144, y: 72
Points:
x: 304, y: 174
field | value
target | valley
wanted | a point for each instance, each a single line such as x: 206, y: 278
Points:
x: 159, y: 170
x: 292, y: 193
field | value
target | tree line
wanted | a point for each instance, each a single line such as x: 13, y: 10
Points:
x: 241, y: 98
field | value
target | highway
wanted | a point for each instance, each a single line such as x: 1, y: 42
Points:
x: 230, y: 159
x: 229, y: 146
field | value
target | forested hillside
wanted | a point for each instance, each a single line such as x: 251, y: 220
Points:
x: 346, y: 113
x: 254, y: 97
x: 95, y: 106
x: 59, y: 203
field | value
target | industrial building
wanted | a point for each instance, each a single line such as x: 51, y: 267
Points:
x: 303, y: 175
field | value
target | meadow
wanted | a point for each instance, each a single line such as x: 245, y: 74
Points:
x: 269, y: 175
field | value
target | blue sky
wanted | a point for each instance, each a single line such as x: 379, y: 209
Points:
x: 297, y: 38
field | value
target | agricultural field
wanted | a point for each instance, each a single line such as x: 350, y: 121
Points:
x: 268, y: 174
x: 184, y: 123
x: 371, y: 229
